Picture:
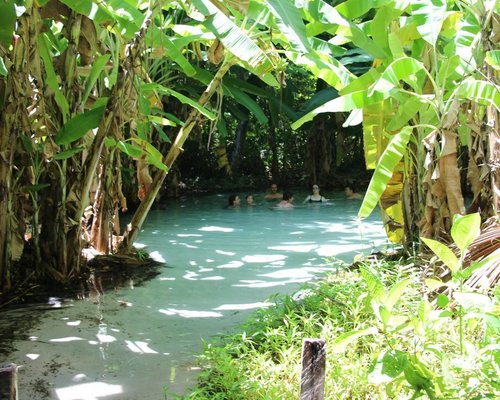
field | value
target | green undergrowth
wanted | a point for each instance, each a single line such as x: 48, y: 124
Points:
x: 384, y: 340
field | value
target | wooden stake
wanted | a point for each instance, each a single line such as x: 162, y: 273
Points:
x: 312, y: 379
x: 8, y: 382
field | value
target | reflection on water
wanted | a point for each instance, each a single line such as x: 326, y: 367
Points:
x: 223, y: 264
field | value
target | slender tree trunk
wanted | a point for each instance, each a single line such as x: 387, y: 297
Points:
x: 238, y: 146
x: 134, y: 227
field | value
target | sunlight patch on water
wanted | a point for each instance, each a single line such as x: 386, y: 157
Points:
x: 88, y: 391
x: 156, y: 256
x: 247, y: 306
x: 191, y: 276
x: 232, y: 264
x: 225, y: 253
x: 140, y: 347
x: 189, y: 246
x: 189, y: 235
x: 190, y: 313
x: 216, y: 229
x: 213, y: 278
x: 32, y: 356
x: 269, y: 284
x: 263, y: 258
x: 304, y: 248
x: 66, y: 339
x: 103, y: 338
x: 289, y: 273
x: 73, y: 323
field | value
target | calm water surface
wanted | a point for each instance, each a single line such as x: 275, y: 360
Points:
x: 221, y: 265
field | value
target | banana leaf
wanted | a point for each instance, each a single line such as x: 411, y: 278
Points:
x: 390, y: 158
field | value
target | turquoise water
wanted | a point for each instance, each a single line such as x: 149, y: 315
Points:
x: 221, y: 264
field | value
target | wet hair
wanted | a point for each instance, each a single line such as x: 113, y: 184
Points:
x: 231, y: 199
x: 287, y: 195
x: 248, y: 195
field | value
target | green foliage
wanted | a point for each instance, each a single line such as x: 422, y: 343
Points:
x: 384, y: 340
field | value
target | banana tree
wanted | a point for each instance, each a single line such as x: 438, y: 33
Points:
x: 429, y: 94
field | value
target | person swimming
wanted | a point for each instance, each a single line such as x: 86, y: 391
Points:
x: 316, y: 196
x: 249, y: 199
x: 351, y: 194
x: 233, y: 201
x: 287, y: 201
x: 273, y: 193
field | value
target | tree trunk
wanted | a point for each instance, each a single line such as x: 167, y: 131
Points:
x: 238, y: 145
x: 134, y: 227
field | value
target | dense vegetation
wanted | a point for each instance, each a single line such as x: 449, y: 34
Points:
x: 98, y: 99
x: 389, y: 335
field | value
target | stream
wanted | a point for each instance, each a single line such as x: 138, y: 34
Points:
x: 139, y: 341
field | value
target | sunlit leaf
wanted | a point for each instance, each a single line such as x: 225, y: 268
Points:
x: 493, y: 59
x: 443, y: 252
x: 429, y: 17
x: 389, y: 365
x: 465, y: 230
x: 434, y: 284
x: 396, y: 292
x: 234, y: 39
x: 290, y: 23
x: 390, y: 158
x: 344, y: 340
x: 482, y: 92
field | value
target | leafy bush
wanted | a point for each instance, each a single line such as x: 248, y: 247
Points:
x: 385, y: 338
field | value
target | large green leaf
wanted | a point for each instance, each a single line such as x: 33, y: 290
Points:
x: 331, y: 71
x: 157, y: 39
x: 429, y: 17
x: 3, y: 68
x: 493, y: 59
x: 465, y: 230
x: 391, y: 156
x: 246, y: 101
x: 79, y: 125
x: 97, y: 68
x: 400, y: 69
x: 405, y: 113
x: 328, y: 18
x: 154, y: 157
x: 344, y: 340
x: 119, y: 20
x: 352, y: 9
x: 290, y: 23
x: 50, y: 73
x: 179, y: 96
x: 443, y: 252
x: 482, y: 92
x: 349, y: 102
x: 234, y: 39
x: 8, y: 13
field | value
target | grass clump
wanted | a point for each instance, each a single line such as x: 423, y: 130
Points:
x: 384, y: 338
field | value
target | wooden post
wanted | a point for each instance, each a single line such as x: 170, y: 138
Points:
x: 8, y: 382
x: 312, y: 379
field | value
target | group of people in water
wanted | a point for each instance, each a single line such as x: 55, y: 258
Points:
x: 285, y: 199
